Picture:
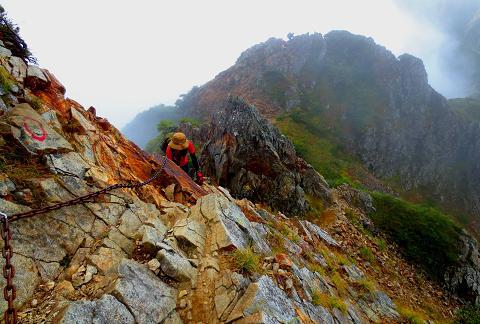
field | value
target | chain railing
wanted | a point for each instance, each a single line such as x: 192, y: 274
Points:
x: 9, y: 292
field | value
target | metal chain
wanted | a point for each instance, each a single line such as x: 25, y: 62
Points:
x: 9, y: 292
x: 88, y: 197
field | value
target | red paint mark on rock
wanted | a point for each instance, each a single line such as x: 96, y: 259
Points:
x: 34, y: 129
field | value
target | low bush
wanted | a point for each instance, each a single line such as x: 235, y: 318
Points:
x: 247, y: 260
x: 468, y: 315
x: 426, y: 236
x: 367, y: 254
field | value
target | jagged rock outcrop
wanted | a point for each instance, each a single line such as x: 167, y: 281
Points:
x: 243, y: 152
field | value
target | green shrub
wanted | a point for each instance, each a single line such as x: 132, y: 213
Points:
x: 410, y: 316
x: 336, y: 302
x: 322, y: 299
x: 427, y: 236
x: 35, y: 102
x: 340, y: 284
x: 247, y: 260
x: 365, y: 286
x: 187, y: 120
x: 468, y: 315
x: 367, y: 254
x: 5, y: 81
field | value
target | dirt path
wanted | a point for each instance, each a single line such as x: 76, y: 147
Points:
x: 202, y: 296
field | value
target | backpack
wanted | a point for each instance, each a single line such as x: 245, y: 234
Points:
x: 165, y: 142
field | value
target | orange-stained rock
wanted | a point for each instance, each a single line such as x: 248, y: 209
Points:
x: 283, y: 260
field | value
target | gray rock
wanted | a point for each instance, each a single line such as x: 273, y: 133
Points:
x: 229, y: 225
x: 6, y: 185
x: 52, y: 190
x: 105, y: 310
x: 129, y: 224
x: 317, y: 314
x: 356, y: 198
x: 176, y: 266
x: 83, y: 123
x: 10, y: 208
x: 266, y: 299
x: 148, y: 298
x: 52, y: 120
x: 35, y: 78
x: 353, y: 272
x: 311, y: 281
x: 32, y: 132
x: 18, y: 68
x: 465, y: 275
x: 26, y: 279
x: 190, y: 234
x: 150, y: 237
x: 68, y: 164
x: 3, y: 105
x: 355, y: 318
x: 383, y: 305
x: 5, y: 52
x: 228, y: 290
x: 320, y: 233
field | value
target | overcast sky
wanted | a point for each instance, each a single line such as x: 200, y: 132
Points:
x: 124, y: 56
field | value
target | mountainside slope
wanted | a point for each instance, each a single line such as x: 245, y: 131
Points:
x: 365, y: 102
x: 171, y: 251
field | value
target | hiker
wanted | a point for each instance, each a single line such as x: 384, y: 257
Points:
x: 178, y: 149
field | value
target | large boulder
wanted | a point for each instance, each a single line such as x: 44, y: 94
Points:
x: 264, y: 302
x: 148, y: 298
x: 35, y: 78
x: 230, y: 227
x: 32, y: 131
x: 105, y: 310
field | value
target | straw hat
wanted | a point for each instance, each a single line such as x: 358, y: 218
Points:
x: 178, y: 142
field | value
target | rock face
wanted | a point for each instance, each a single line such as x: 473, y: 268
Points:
x: 378, y: 106
x: 106, y: 309
x: 465, y: 278
x: 149, y: 299
x: 248, y: 155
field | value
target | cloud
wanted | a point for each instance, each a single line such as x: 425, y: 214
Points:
x: 123, y: 57
x: 449, y: 60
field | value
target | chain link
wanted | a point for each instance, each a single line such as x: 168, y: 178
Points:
x: 9, y: 292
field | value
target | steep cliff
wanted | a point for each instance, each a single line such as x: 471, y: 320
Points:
x: 171, y: 251
x: 360, y: 100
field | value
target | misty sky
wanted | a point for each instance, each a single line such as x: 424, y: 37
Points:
x: 125, y: 56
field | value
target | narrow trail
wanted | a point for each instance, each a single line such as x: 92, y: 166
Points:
x: 202, y: 296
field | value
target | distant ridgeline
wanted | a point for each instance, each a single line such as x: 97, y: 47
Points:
x: 144, y: 126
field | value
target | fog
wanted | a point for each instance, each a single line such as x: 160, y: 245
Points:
x: 448, y: 61
x: 123, y: 57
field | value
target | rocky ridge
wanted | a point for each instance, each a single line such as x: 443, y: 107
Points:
x: 380, y: 107
x: 170, y: 252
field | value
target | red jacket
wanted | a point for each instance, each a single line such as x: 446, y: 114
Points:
x: 180, y: 157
